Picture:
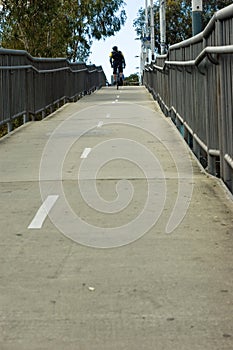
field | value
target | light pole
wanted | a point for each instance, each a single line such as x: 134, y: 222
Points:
x: 196, y: 16
x: 152, y: 29
x: 146, y: 34
x: 162, y: 20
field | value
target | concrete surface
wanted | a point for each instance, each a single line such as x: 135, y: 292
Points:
x: 163, y: 291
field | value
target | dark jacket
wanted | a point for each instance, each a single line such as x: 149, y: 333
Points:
x: 117, y: 58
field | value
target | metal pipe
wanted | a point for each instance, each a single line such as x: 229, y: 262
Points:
x: 229, y: 160
x: 196, y: 16
x: 220, y: 50
x: 152, y: 29
x: 162, y: 19
x: 147, y: 29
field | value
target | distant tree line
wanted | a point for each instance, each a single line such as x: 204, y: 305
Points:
x: 133, y: 79
x: 178, y: 19
x: 58, y: 28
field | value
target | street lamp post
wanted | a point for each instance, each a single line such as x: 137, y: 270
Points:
x: 162, y: 19
x: 196, y: 16
x: 152, y: 28
x: 146, y: 33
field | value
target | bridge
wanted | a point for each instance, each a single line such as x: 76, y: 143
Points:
x: 116, y: 205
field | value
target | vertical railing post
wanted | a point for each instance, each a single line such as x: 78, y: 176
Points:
x: 27, y: 89
x: 32, y: 88
x: 225, y: 172
x: 9, y: 127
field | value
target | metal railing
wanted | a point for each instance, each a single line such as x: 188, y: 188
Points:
x: 32, y: 87
x: 193, y: 84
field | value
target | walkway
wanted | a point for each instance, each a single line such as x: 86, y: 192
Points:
x: 112, y: 172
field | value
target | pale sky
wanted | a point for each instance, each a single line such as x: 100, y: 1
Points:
x: 125, y: 40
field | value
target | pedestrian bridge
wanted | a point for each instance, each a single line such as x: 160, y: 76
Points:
x: 192, y: 84
x: 116, y: 205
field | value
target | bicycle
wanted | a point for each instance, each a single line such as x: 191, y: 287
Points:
x: 119, y: 80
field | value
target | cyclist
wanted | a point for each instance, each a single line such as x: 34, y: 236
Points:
x: 117, y: 62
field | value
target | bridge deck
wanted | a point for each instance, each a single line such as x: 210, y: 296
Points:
x: 112, y: 172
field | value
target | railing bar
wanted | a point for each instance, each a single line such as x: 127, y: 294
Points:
x: 188, y: 128
x: 45, y: 70
x: 227, y: 49
x: 214, y: 152
x: 229, y: 160
x: 158, y: 67
x: 201, y: 143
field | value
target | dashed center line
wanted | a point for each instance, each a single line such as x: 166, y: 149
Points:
x: 85, y: 153
x: 100, y: 124
x: 43, y: 212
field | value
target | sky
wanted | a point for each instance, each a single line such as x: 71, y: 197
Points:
x: 124, y: 40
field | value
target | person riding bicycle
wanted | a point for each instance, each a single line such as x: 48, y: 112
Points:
x: 117, y: 62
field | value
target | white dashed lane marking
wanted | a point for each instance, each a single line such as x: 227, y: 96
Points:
x: 43, y: 212
x: 85, y: 153
x: 100, y: 124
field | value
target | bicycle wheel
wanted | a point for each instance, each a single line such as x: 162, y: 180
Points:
x: 118, y: 79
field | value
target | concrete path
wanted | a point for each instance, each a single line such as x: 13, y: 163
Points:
x: 111, y: 235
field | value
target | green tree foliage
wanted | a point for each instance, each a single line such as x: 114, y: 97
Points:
x: 133, y: 79
x: 211, y: 6
x: 88, y: 19
x: 35, y: 25
x: 178, y: 19
x: 53, y: 28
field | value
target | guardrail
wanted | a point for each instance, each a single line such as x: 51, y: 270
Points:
x: 193, y: 84
x: 30, y: 88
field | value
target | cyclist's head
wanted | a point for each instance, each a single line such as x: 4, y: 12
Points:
x: 115, y: 48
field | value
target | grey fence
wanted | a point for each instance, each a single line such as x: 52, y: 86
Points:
x: 193, y: 84
x: 31, y: 87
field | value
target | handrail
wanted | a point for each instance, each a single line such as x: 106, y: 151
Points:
x: 33, y: 87
x: 197, y: 95
x: 220, y: 15
x: 219, y: 50
x: 158, y: 67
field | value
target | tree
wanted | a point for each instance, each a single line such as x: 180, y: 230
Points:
x: 59, y: 27
x: 33, y: 25
x: 92, y: 20
x: 178, y: 19
x: 211, y: 6
x: 133, y: 79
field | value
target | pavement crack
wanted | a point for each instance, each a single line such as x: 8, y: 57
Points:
x: 62, y: 264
